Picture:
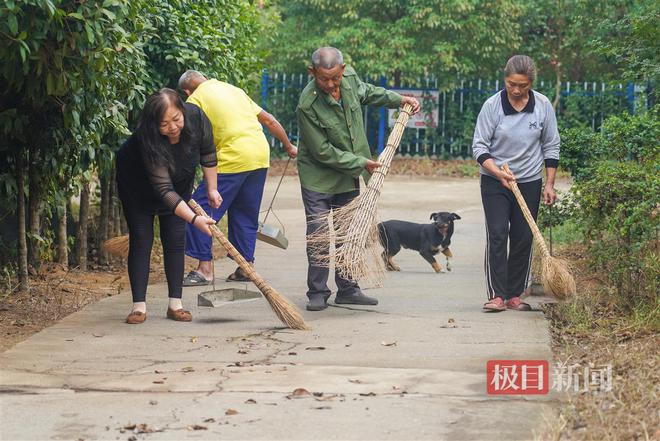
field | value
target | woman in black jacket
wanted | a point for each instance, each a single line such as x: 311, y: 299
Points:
x: 155, y: 173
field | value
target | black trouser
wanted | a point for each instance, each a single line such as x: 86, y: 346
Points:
x: 172, y: 236
x: 317, y: 206
x: 508, y: 277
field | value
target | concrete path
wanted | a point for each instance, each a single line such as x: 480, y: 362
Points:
x: 231, y: 372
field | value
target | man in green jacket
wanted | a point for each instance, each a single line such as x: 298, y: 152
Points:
x: 332, y: 153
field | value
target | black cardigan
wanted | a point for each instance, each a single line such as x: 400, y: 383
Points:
x: 153, y: 187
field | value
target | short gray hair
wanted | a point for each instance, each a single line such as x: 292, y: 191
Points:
x: 188, y: 76
x: 522, y: 65
x: 327, y: 57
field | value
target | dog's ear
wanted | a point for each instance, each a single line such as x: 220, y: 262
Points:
x: 455, y: 216
x: 433, y: 216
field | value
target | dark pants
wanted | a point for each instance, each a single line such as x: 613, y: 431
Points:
x: 508, y: 276
x: 141, y: 230
x: 317, y: 206
x: 241, y: 198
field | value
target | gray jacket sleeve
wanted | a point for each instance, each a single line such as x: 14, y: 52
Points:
x: 483, y: 133
x: 550, y: 135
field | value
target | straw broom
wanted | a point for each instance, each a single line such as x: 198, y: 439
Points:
x: 555, y: 274
x: 285, y: 310
x: 117, y: 246
x: 354, y: 226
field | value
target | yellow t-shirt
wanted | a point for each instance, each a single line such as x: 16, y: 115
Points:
x: 238, y: 135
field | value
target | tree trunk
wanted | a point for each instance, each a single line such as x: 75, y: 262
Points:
x: 62, y: 238
x: 104, y: 221
x: 81, y: 248
x: 22, y: 242
x: 34, y: 209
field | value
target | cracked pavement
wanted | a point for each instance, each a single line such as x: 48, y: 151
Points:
x: 412, y: 367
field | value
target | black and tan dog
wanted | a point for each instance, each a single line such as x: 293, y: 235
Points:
x: 428, y: 239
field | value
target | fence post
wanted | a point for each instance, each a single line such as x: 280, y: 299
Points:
x: 381, y: 121
x: 630, y: 96
x: 264, y: 88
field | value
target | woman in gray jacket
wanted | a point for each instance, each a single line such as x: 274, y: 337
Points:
x: 516, y: 126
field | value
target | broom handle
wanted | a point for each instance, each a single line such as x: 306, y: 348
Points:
x: 232, y: 251
x: 393, y: 141
x: 528, y: 215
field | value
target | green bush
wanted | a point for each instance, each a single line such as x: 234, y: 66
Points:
x: 622, y: 138
x: 619, y: 218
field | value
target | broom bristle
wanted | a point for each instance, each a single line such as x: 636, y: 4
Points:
x: 117, y: 246
x: 557, y: 279
x: 285, y: 311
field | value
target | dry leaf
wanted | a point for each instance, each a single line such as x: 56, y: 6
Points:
x: 323, y: 407
x: 197, y: 427
x: 369, y: 394
x: 209, y: 420
x: 231, y: 412
x: 158, y: 372
x: 451, y: 320
x: 293, y: 353
x: 388, y: 343
x: 315, y: 348
x: 250, y: 401
x: 242, y: 351
x: 299, y: 393
x: 158, y: 382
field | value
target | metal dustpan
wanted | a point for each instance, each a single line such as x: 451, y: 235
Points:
x: 269, y: 233
x: 272, y: 235
x: 219, y: 297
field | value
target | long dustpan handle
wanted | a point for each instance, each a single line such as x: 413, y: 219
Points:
x: 528, y: 215
x: 270, y: 207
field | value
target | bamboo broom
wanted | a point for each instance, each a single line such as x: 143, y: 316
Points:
x: 555, y: 274
x: 117, y: 246
x: 285, y: 310
x: 357, y: 254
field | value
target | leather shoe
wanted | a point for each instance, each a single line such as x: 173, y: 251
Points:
x: 356, y: 299
x: 136, y: 317
x: 317, y: 303
x: 180, y: 315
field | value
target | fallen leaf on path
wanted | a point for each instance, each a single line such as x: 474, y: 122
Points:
x: 293, y: 353
x: 231, y: 412
x: 158, y: 372
x: 299, y: 393
x: 323, y: 407
x: 97, y: 335
x: 326, y: 398
x: 158, y: 382
x: 388, y: 343
x: 209, y: 420
x: 243, y: 351
x: 197, y: 427
x: 369, y: 394
x: 451, y: 320
x: 250, y: 401
x: 315, y: 348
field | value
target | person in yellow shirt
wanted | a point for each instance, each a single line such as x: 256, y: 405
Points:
x: 243, y: 159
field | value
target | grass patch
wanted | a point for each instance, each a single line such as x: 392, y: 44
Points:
x: 596, y: 328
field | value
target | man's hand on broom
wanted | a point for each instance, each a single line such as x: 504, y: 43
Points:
x: 371, y: 166
x: 412, y: 101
